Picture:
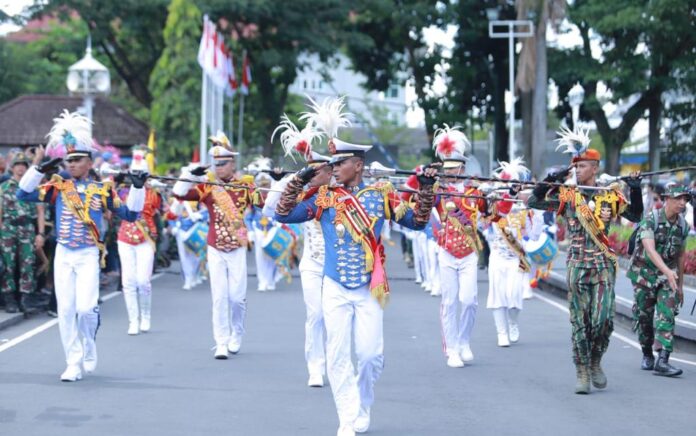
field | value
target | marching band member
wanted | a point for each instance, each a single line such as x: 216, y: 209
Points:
x: 182, y: 218
x: 355, y: 288
x: 459, y: 246
x: 311, y: 265
x: 259, y: 225
x: 136, y: 249
x: 507, y: 263
x: 80, y: 203
x: 227, y: 239
x: 591, y: 262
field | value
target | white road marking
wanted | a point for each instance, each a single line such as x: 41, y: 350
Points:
x: 618, y: 336
x: 48, y: 324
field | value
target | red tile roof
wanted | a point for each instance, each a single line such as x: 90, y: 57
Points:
x: 27, y: 119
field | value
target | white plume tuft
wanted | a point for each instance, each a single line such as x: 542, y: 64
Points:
x: 293, y: 139
x: 448, y: 140
x: 514, y: 169
x: 69, y: 129
x: 328, y: 116
x: 575, y: 141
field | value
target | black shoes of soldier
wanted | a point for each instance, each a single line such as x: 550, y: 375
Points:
x: 663, y: 367
x: 582, y: 386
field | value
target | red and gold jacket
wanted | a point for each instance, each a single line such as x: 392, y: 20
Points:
x: 459, y: 219
x: 144, y: 229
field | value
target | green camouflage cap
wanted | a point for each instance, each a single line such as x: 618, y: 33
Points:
x: 20, y: 158
x: 674, y: 190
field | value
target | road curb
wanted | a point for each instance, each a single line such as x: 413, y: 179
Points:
x: 10, y: 319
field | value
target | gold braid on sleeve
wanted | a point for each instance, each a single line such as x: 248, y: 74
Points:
x: 289, y: 198
x: 426, y: 199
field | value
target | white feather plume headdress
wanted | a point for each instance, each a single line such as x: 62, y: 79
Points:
x: 294, y: 139
x: 450, y: 142
x: 513, y: 170
x: 575, y: 141
x: 71, y: 131
x: 328, y: 116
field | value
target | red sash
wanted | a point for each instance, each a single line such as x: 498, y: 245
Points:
x: 350, y: 213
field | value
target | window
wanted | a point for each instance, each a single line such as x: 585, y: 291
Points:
x: 304, y: 85
x: 393, y: 92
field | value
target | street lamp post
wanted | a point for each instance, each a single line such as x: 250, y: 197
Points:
x: 509, y: 29
x: 576, y: 95
x: 88, y: 77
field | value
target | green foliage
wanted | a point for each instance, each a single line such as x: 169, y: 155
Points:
x: 175, y: 84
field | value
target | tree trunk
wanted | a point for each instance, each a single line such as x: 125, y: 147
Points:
x: 613, y: 153
x: 540, y: 104
x: 655, y: 108
x: 526, y: 114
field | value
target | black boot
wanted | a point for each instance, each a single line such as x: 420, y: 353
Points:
x: 648, y: 362
x: 662, y: 366
x: 10, y: 303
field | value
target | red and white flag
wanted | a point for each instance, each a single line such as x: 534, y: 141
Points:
x: 207, y: 46
x: 232, y: 84
x: 246, y: 75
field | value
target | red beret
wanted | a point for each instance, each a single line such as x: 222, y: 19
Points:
x: 589, y: 154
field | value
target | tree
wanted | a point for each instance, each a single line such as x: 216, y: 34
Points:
x: 388, y: 46
x: 274, y: 34
x: 128, y: 33
x: 637, y: 64
x: 479, y: 71
x: 175, y: 84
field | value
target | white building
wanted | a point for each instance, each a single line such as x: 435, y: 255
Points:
x: 335, y: 78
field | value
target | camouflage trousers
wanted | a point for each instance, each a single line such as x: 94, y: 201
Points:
x: 645, y: 302
x: 591, y: 305
x: 17, y: 249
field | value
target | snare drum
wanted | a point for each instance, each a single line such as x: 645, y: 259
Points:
x: 195, y: 237
x: 277, y: 242
x: 543, y: 250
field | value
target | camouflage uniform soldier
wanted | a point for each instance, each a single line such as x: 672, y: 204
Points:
x: 19, y: 238
x: 659, y: 252
x: 591, y: 262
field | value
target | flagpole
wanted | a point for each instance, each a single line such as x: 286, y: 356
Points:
x: 204, y: 120
x: 240, y: 129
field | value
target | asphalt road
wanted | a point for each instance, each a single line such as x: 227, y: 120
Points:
x: 166, y: 382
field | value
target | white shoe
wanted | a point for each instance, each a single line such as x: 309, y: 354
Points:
x: 233, y: 346
x: 345, y: 430
x: 72, y: 373
x: 144, y: 325
x: 503, y: 340
x: 187, y: 285
x: 466, y: 354
x: 435, y: 293
x: 221, y: 352
x: 514, y: 332
x: 133, y: 328
x: 261, y: 289
x: 454, y: 361
x: 362, y: 422
x: 89, y: 361
x: 315, y: 381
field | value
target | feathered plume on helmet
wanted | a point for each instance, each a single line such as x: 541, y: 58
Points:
x: 574, y: 141
x: 328, y: 116
x: 295, y: 140
x: 450, y: 143
x: 513, y: 170
x: 71, y: 134
x: 139, y: 161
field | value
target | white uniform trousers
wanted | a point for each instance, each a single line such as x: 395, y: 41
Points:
x: 347, y: 313
x: 189, y: 261
x: 265, y: 265
x: 458, y: 284
x: 136, y: 273
x: 312, y: 276
x: 433, y: 267
x: 228, y: 283
x: 505, y: 282
x: 76, y: 275
x: 421, y: 241
x: 418, y: 257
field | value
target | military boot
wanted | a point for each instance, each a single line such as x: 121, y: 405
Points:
x: 582, y: 386
x: 599, y: 380
x: 663, y: 367
x: 10, y: 303
x: 648, y: 362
